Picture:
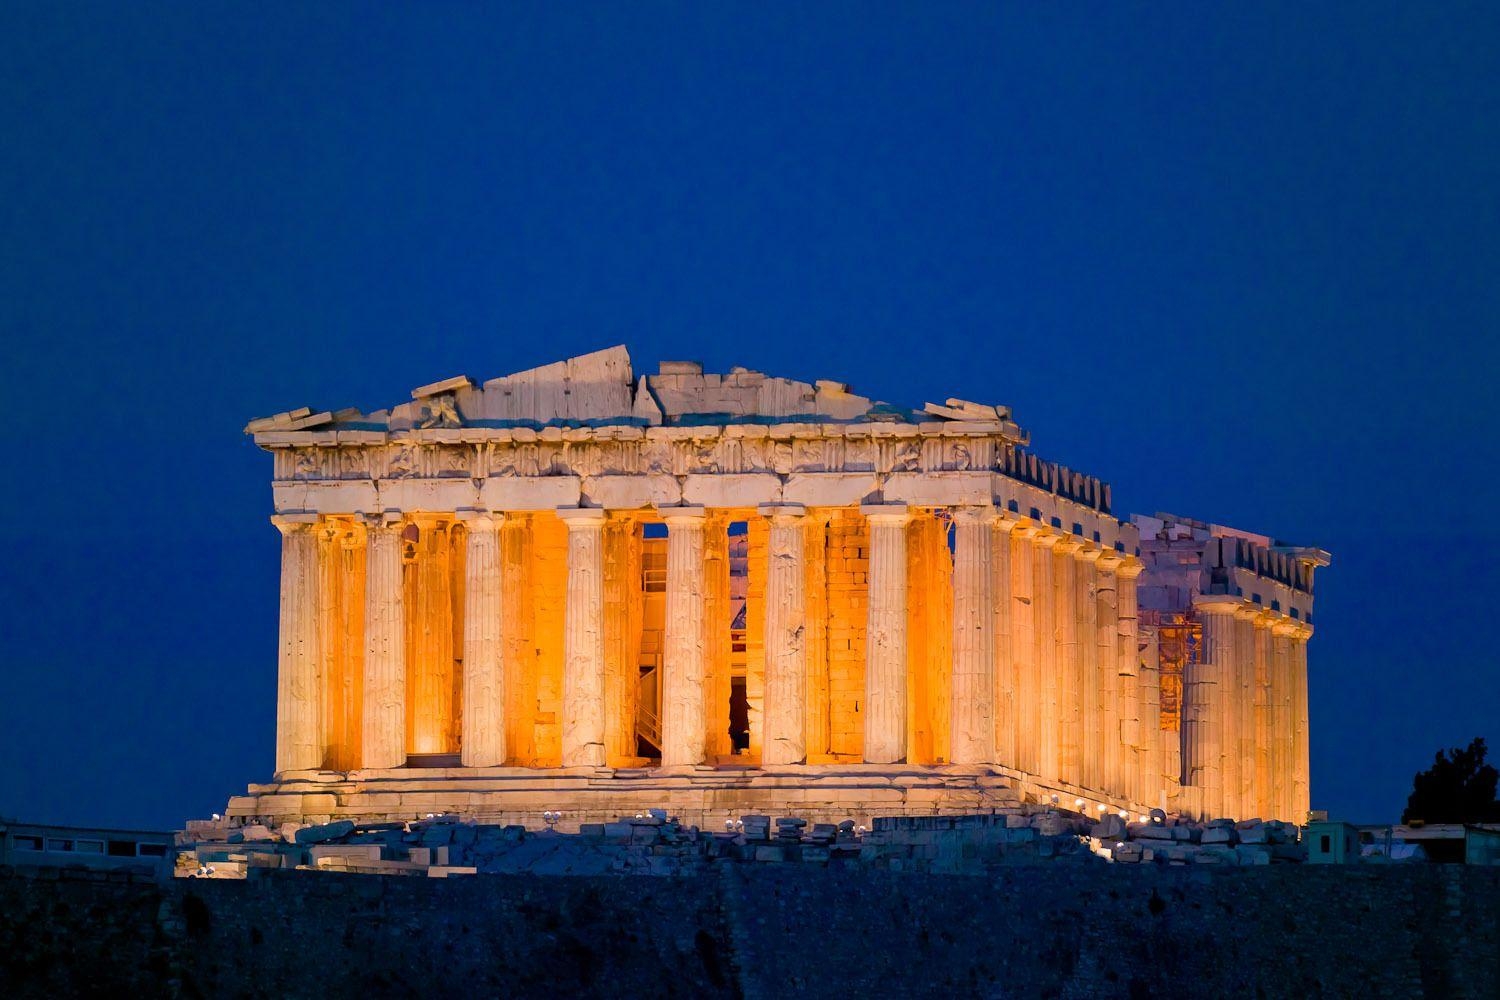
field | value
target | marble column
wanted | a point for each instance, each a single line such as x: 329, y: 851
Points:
x: 583, y: 640
x: 1006, y: 723
x: 786, y: 653
x: 885, y: 642
x: 299, y: 679
x: 685, y: 659
x: 1265, y: 801
x: 1140, y: 694
x: 1112, y: 753
x: 973, y: 683
x: 1069, y: 690
x: 1244, y: 711
x: 383, y: 728
x: 1282, y: 725
x: 1090, y: 707
x: 1301, y: 762
x: 1206, y: 699
x: 1023, y: 646
x: 483, y: 739
x: 1045, y: 604
x: 622, y: 637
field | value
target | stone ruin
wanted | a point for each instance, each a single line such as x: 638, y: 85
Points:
x: 583, y: 589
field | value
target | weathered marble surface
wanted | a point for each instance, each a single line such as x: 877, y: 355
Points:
x: 916, y: 587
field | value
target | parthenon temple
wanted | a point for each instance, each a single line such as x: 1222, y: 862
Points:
x: 583, y: 590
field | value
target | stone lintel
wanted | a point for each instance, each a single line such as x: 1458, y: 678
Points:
x: 632, y: 492
x: 744, y: 489
x: 530, y: 493
x: 939, y: 489
x: 829, y: 489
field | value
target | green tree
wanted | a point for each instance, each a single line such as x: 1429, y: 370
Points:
x: 1459, y: 787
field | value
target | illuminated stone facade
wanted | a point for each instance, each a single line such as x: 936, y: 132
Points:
x: 578, y: 589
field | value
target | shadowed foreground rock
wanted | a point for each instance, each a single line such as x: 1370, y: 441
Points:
x: 1029, y: 931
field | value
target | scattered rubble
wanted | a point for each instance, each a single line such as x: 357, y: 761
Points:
x: 653, y: 843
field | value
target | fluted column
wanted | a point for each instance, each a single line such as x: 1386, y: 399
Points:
x: 686, y: 654
x: 622, y: 638
x: 1090, y: 710
x: 885, y: 639
x: 583, y: 640
x: 1044, y: 601
x: 1006, y: 680
x: 1265, y: 800
x: 383, y: 728
x: 1301, y: 762
x: 299, y: 681
x: 1140, y: 694
x: 1206, y: 702
x: 483, y: 738
x: 1243, y: 709
x: 1112, y: 751
x: 1069, y: 692
x: 786, y: 654
x: 1023, y: 646
x: 1283, y: 726
x: 973, y: 683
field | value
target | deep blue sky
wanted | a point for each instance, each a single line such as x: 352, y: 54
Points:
x: 1240, y: 262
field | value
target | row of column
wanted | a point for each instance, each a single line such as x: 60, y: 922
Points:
x: 1083, y: 701
x: 1245, y: 713
x: 1045, y: 676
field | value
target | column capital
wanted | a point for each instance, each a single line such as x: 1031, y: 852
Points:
x: 1130, y: 567
x: 1292, y: 628
x: 684, y: 514
x: 290, y: 524
x: 1110, y: 561
x: 1248, y: 612
x: 479, y: 519
x: 886, y: 513
x: 1067, y: 544
x: 1217, y: 604
x: 976, y: 515
x: 387, y: 518
x: 1088, y: 553
x: 782, y: 513
x: 580, y: 518
x: 1045, y: 538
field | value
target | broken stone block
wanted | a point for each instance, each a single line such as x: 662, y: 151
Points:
x: 1108, y: 828
x: 1253, y: 834
x: 325, y: 832
x: 1049, y: 824
x: 1219, y: 835
x: 347, y: 852
x: 770, y: 852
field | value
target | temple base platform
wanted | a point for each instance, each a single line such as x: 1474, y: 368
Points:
x: 700, y: 796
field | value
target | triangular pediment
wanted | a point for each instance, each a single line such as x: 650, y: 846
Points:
x: 601, y: 388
